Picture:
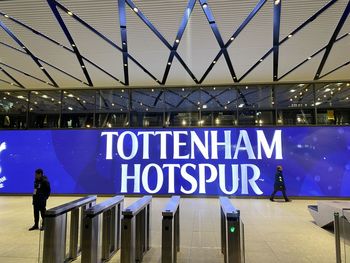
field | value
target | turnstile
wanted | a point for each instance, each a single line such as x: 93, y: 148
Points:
x: 171, y: 230
x: 55, y: 228
x: 135, y: 239
x: 232, y: 233
x: 101, y: 231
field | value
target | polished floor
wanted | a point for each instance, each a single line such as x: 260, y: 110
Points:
x: 274, y: 231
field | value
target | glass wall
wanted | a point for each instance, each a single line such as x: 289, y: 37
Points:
x: 219, y: 106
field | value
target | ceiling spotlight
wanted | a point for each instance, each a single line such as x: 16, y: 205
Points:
x: 24, y: 47
x: 232, y: 38
x: 169, y: 63
x: 73, y: 45
x: 12, y: 83
x: 205, y: 5
x: 261, y: 60
x: 6, y: 16
x: 82, y: 66
x: 290, y: 35
x: 152, y: 90
x: 277, y: 2
x: 225, y: 107
x: 41, y: 67
x: 309, y: 58
x: 183, y: 89
x: 136, y: 10
x: 348, y: 84
x: 177, y: 40
x: 124, y: 43
x: 214, y: 62
x: 70, y: 13
x: 125, y: 65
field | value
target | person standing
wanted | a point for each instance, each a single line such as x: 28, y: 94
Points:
x: 279, y: 185
x: 41, y: 193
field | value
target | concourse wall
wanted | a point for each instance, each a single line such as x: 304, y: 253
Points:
x: 186, y: 161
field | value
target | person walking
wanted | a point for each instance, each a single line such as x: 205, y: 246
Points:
x: 41, y: 193
x: 279, y: 185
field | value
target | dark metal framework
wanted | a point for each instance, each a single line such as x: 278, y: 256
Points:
x: 223, y: 46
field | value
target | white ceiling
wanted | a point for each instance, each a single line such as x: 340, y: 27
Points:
x: 197, y: 48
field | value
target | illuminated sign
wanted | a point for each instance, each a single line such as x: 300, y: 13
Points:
x: 192, y: 161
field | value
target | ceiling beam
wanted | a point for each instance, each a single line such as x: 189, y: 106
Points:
x: 53, y: 5
x: 332, y: 40
x: 12, y: 78
x: 276, y: 36
x: 123, y: 33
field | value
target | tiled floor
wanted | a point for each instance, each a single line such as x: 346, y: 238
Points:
x: 274, y: 232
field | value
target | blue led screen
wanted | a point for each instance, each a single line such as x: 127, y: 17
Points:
x: 188, y: 161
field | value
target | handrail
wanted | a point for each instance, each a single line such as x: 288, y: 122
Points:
x: 104, y: 206
x: 171, y: 206
x: 65, y: 208
x: 137, y: 206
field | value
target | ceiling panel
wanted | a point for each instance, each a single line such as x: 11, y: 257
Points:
x: 165, y: 17
x: 340, y: 74
x: 26, y: 81
x: 337, y: 56
x: 220, y: 74
x: 262, y: 73
x: 37, y: 14
x: 101, y: 15
x: 310, y: 39
x: 178, y: 74
x: 253, y: 42
x: 145, y: 46
x: 306, y: 71
x: 198, y: 46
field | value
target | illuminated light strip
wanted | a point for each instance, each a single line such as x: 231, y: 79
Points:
x: 26, y: 74
x: 160, y: 36
x: 9, y: 32
x: 53, y: 6
x: 63, y: 46
x: 210, y: 17
x: 332, y: 40
x: 45, y: 62
x: 312, y: 18
x: 108, y: 41
x: 276, y: 37
x: 123, y: 33
x: 234, y: 36
x: 313, y: 55
x: 11, y: 77
x: 180, y: 32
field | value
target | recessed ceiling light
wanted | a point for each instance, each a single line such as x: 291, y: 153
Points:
x: 125, y: 65
x: 82, y: 66
x: 290, y: 35
x: 214, y: 62
x: 124, y: 43
x: 70, y: 13
x: 225, y: 107
x: 232, y: 38
x: 135, y: 9
x: 183, y: 89
x: 6, y: 16
x: 152, y: 90
x: 73, y: 45
x: 177, y: 40
x: 261, y: 60
x: 169, y: 63
x: 309, y: 58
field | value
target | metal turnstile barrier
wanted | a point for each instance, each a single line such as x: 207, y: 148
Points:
x: 135, y: 240
x: 101, y: 231
x: 232, y: 232
x: 171, y: 230
x: 55, y: 228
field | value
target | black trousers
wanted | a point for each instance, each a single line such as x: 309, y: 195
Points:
x: 39, y: 209
x: 283, y: 192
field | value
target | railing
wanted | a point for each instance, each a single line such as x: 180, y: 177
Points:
x: 54, y: 249
x: 232, y: 233
x: 110, y: 212
x: 135, y: 239
x: 342, y: 235
x: 171, y: 230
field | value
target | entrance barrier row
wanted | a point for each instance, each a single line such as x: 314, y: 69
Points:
x: 171, y: 230
x: 135, y: 239
x: 232, y: 232
x: 101, y: 231
x: 55, y: 226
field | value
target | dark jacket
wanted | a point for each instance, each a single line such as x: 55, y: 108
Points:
x: 279, y: 181
x: 42, y: 191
